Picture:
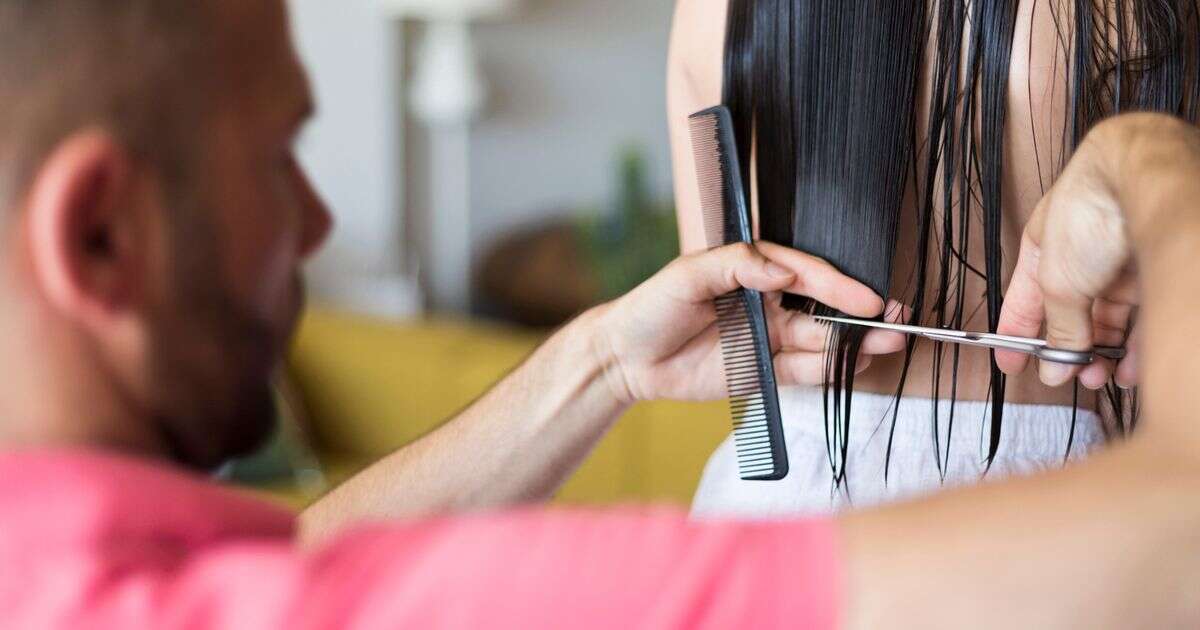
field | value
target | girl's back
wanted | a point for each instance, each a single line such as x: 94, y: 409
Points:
x: 1038, y: 420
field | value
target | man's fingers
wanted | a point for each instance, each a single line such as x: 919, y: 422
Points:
x: 1110, y: 320
x: 883, y: 342
x: 701, y: 277
x: 1127, y: 370
x: 1022, y: 314
x: 1124, y: 290
x: 1096, y: 375
x: 1126, y: 375
x: 800, y: 332
x: 773, y: 299
x: 797, y: 331
x: 799, y: 368
x: 704, y: 276
x: 886, y: 341
x: 1068, y: 326
x: 819, y: 280
x: 808, y: 368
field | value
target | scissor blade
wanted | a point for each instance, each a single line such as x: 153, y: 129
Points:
x: 1037, y: 347
x: 924, y: 331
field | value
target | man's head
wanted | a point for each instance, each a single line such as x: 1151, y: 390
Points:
x: 154, y: 219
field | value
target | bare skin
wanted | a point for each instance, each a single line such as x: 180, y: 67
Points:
x: 521, y: 440
x: 89, y: 282
x: 1036, y: 110
x: 1111, y: 543
x: 106, y: 262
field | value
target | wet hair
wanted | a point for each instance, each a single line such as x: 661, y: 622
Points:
x: 827, y: 90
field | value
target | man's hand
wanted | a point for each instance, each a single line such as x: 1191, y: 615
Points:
x: 1130, y: 178
x: 661, y: 340
x: 1074, y: 272
x: 1135, y: 182
x: 521, y: 440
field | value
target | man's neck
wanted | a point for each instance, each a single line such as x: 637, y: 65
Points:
x: 72, y: 426
x: 49, y: 403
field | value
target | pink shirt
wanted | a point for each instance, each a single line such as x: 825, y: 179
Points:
x: 95, y: 541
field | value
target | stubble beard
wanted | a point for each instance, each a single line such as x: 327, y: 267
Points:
x: 212, y: 360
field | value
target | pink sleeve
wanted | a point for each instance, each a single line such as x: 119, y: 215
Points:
x: 527, y: 569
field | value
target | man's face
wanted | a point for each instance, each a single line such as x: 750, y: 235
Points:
x: 239, y: 230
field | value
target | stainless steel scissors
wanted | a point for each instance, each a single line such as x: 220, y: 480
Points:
x: 1036, y: 347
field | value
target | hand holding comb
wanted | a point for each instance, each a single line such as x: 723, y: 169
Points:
x: 741, y: 319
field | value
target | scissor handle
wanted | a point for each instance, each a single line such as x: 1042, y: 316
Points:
x: 1078, y: 357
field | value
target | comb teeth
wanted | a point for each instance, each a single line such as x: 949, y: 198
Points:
x: 711, y: 168
x: 745, y: 347
x: 747, y: 400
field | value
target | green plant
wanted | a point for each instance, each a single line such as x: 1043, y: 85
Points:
x: 633, y: 240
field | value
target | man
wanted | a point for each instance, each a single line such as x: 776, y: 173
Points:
x: 155, y: 218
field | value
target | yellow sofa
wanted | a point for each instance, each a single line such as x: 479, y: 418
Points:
x: 370, y: 386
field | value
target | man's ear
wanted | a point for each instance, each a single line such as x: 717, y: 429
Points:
x: 82, y: 227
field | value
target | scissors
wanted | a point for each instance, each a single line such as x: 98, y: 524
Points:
x: 1036, y: 347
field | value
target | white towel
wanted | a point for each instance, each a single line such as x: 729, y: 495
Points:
x: 1034, y: 437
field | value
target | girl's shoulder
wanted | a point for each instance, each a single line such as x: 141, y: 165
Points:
x: 697, y: 46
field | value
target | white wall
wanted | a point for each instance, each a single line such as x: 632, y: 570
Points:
x: 572, y: 82
x: 352, y: 149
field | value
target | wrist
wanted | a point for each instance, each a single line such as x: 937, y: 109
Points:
x: 596, y: 331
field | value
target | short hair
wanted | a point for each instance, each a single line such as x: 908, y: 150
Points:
x: 132, y: 67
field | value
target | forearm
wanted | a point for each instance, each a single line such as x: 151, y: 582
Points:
x: 1158, y: 184
x: 516, y: 444
x: 1112, y: 542
x: 1109, y: 544
x: 522, y: 439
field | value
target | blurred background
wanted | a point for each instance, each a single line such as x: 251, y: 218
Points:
x: 494, y: 167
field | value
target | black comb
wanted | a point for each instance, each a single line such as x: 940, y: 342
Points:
x: 745, y: 344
